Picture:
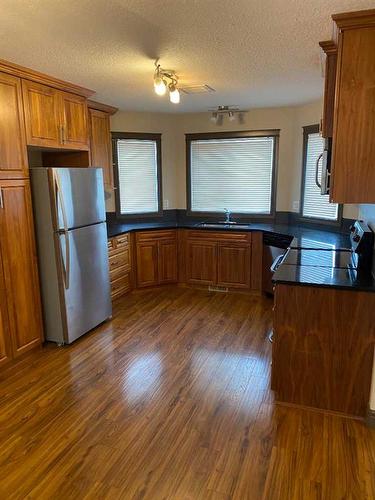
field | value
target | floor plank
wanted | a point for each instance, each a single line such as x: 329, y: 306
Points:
x: 171, y: 400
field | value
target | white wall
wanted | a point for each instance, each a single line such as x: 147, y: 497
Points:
x: 164, y: 124
x: 173, y: 127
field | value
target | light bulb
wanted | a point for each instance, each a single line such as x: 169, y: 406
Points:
x: 174, y: 96
x: 159, y: 86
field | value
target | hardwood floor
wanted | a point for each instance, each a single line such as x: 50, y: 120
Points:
x: 171, y: 400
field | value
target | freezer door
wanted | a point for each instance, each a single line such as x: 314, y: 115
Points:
x: 79, y: 196
x: 85, y: 279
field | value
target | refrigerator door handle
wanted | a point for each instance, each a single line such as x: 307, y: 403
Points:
x: 63, y: 232
x: 317, y: 171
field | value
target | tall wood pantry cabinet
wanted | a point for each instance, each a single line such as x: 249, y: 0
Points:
x: 100, y: 140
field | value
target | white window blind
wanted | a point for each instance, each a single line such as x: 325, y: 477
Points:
x: 233, y: 173
x: 138, y: 176
x: 314, y: 204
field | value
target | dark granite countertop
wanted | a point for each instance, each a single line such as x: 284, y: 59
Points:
x: 290, y: 234
x: 324, y: 277
x: 284, y: 235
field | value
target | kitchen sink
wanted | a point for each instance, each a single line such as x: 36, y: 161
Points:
x: 223, y: 225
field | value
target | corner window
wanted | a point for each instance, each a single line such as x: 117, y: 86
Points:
x: 234, y: 171
x: 314, y: 205
x: 137, y: 160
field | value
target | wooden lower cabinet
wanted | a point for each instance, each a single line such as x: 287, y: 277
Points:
x: 156, y: 253
x: 201, y: 262
x: 167, y: 261
x: 323, y: 348
x: 147, y: 263
x: 233, y: 265
x: 19, y: 274
x: 120, y: 265
x: 218, y: 258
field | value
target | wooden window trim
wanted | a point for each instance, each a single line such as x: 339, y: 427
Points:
x: 146, y: 137
x: 189, y: 138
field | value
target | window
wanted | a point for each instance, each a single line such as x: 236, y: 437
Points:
x: 232, y: 170
x: 313, y: 204
x: 137, y: 158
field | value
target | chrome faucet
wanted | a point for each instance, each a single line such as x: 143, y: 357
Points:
x: 227, y: 215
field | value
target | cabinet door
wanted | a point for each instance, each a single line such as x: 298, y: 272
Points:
x: 323, y: 347
x: 74, y: 122
x: 353, y: 172
x: 147, y: 263
x: 42, y: 115
x: 5, y: 345
x: 20, y: 265
x: 234, y: 264
x: 330, y: 50
x: 100, y: 144
x: 167, y: 261
x: 13, y: 154
x: 201, y: 262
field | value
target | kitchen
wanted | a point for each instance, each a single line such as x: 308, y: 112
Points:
x: 150, y: 250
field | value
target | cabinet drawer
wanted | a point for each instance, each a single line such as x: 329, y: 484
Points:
x: 111, y: 245
x: 122, y: 240
x: 120, y: 260
x: 118, y: 244
x: 169, y: 234
x: 118, y: 272
x: 219, y: 236
x: 120, y: 286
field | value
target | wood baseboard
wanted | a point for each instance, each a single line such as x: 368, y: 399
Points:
x: 320, y: 410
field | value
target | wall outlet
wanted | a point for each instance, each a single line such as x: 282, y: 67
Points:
x: 295, y: 206
x: 166, y: 203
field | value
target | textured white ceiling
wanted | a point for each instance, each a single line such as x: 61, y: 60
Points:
x: 255, y: 53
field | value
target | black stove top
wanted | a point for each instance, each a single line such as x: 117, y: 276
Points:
x: 320, y: 258
x: 327, y: 265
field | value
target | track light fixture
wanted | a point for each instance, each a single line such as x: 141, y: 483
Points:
x: 166, y: 79
x: 219, y: 113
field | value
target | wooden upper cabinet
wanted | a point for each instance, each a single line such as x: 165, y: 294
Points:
x: 54, y: 119
x: 100, y: 144
x: 353, y: 155
x: 13, y: 154
x: 234, y: 265
x: 329, y: 49
x: 18, y: 255
x: 75, y: 132
x: 42, y: 114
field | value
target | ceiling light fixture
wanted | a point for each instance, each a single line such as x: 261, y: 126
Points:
x: 166, y: 79
x: 219, y: 113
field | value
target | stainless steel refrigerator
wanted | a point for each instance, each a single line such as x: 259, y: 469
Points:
x: 69, y: 211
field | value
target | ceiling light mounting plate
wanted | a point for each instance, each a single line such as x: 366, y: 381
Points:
x: 232, y: 111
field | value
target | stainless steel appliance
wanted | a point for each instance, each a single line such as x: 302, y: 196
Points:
x: 72, y: 250
x: 356, y: 258
x: 324, y: 182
